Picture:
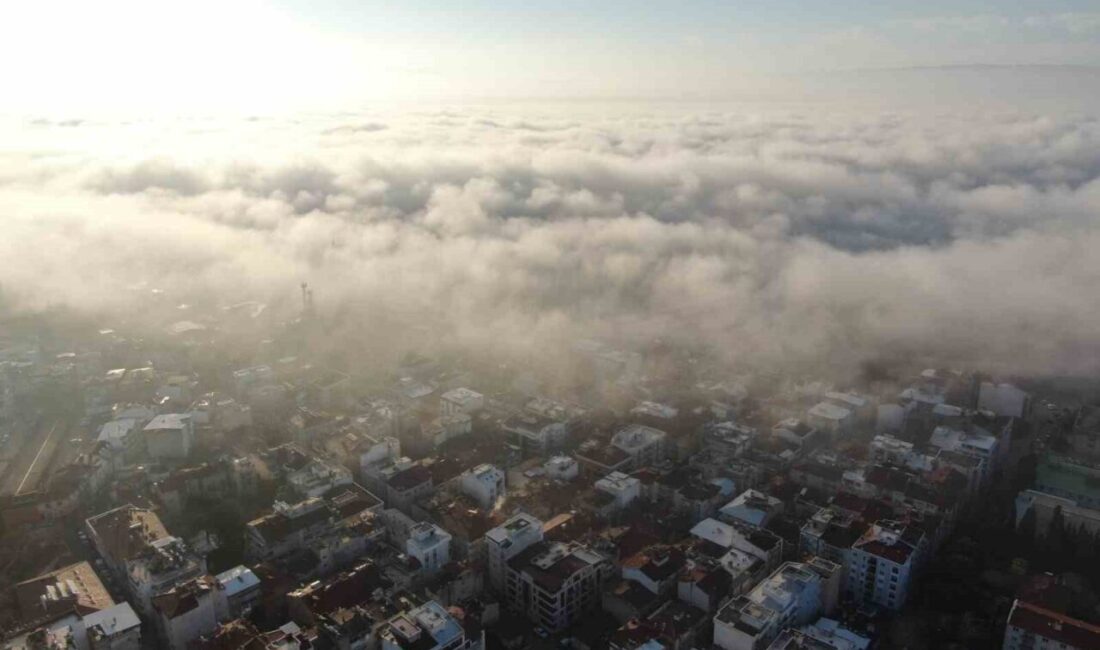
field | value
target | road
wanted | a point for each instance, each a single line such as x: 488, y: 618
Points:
x: 49, y: 442
x: 34, y: 457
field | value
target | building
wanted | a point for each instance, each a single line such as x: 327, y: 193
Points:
x: 460, y: 400
x: 427, y: 627
x: 830, y: 417
x: 1031, y: 627
x: 719, y: 538
x: 727, y: 439
x: 114, y: 628
x: 430, y: 545
x: 882, y: 564
x: 189, y: 611
x: 555, y: 584
x: 1043, y: 505
x: 121, y: 439
x: 796, y: 432
x: 825, y: 634
x: 751, y: 507
x: 169, y: 437
x: 121, y: 534
x: 484, y: 484
x: 316, y: 478
x: 241, y: 589
x: 656, y: 568
x: 535, y: 432
x: 625, y: 489
x: 645, y: 445
x: 287, y: 528
x: 561, y: 468
x: 508, y: 540
x: 72, y: 589
x: 791, y: 596
x: 1069, y: 478
x: 161, y: 566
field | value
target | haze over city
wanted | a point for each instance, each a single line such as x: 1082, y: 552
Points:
x: 792, y: 253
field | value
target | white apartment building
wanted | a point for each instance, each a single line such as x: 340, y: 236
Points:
x: 189, y: 611
x: 508, y: 540
x: 460, y: 400
x: 791, y: 596
x: 430, y: 545
x: 751, y: 507
x: 536, y: 432
x: 427, y: 627
x: 162, y: 565
x: 645, y: 445
x: 882, y: 564
x: 830, y: 417
x: 317, y: 477
x: 241, y: 588
x: 624, y: 488
x: 169, y: 436
x: 484, y: 484
x: 561, y: 468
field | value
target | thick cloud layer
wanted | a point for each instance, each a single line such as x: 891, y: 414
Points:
x: 791, y: 236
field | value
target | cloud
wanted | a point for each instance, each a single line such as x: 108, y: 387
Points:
x: 785, y: 238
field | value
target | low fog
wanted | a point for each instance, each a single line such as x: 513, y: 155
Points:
x: 787, y: 236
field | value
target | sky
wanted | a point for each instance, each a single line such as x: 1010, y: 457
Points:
x: 273, y: 55
x: 799, y: 185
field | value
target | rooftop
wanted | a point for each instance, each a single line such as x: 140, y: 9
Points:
x: 550, y: 564
x: 169, y: 422
x: 635, y: 437
x: 1052, y: 625
x: 74, y: 588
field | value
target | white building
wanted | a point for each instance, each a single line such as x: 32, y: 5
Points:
x: 189, y: 611
x: 561, y: 468
x: 624, y: 488
x: 484, y: 484
x: 460, y: 400
x: 430, y: 545
x: 645, y: 445
x: 114, y: 628
x: 751, y: 507
x: 758, y: 543
x: 448, y: 427
x: 317, y: 477
x: 1031, y: 627
x: 169, y: 436
x: 508, y: 540
x: 830, y: 417
x: 241, y: 588
x: 428, y: 627
x: 536, y: 432
x: 882, y: 563
x: 162, y: 565
x: 795, y: 431
x: 825, y: 634
x: 121, y: 438
x: 975, y: 443
x: 791, y: 596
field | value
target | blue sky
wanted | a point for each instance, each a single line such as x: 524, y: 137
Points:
x: 247, y: 54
